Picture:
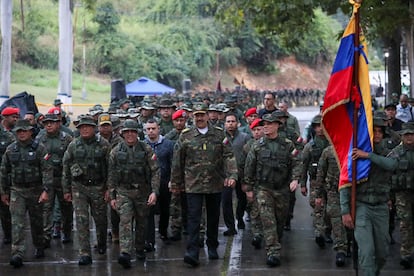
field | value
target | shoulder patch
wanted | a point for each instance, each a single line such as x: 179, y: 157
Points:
x: 186, y: 130
x: 218, y: 128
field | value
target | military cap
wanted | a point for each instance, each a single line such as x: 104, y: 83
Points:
x: 280, y: 114
x: 317, y: 119
x: 55, y: 110
x: 250, y: 111
x: 130, y: 124
x: 255, y: 123
x: 148, y: 106
x: 379, y: 114
x: 104, y: 118
x: 390, y: 105
x: 86, y: 120
x: 22, y: 124
x: 213, y: 107
x: 200, y: 108
x: 186, y: 107
x: 116, y: 122
x: 379, y: 122
x: 10, y: 111
x: 271, y: 118
x: 57, y: 102
x: 166, y: 103
x: 51, y: 118
x: 133, y: 112
x: 179, y: 114
x: 222, y: 107
x: 123, y: 101
x: 407, y: 128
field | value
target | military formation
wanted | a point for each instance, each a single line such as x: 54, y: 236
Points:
x: 184, y: 160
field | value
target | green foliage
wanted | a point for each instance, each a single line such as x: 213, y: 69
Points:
x: 107, y: 18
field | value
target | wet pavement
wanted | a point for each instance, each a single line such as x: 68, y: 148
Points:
x: 300, y: 255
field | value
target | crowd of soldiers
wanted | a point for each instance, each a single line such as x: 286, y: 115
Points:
x: 181, y: 158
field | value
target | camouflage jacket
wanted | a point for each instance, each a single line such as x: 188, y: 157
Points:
x: 6, y: 138
x: 271, y: 164
x: 310, y: 158
x: 201, y: 162
x: 24, y: 166
x: 133, y: 168
x: 85, y: 162
x: 327, y: 176
x: 56, y: 146
x: 172, y: 135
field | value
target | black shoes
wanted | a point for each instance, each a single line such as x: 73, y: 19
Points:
x: 406, y: 262
x: 257, y: 242
x: 212, y: 254
x: 140, y: 255
x: 328, y: 238
x: 241, y: 225
x: 273, y: 261
x: 230, y: 232
x: 39, y: 253
x: 101, y: 250
x: 320, y: 241
x: 191, y: 260
x: 148, y: 247
x: 85, y: 260
x: 340, y: 259
x: 125, y: 260
x: 7, y: 240
x: 16, y: 261
x: 176, y: 237
x: 66, y: 239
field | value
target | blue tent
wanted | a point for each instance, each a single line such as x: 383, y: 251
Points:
x: 144, y: 86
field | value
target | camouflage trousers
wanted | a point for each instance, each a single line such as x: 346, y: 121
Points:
x: 66, y: 209
x: 255, y: 221
x: 22, y: 200
x: 178, y: 215
x: 404, y: 202
x: 320, y: 220
x: 5, y: 218
x: 273, y: 208
x: 131, y: 206
x: 333, y: 211
x: 371, y: 234
x: 85, y: 198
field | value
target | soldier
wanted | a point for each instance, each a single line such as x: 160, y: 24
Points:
x: 166, y: 109
x: 237, y: 140
x: 85, y: 169
x: 6, y: 138
x: 58, y: 112
x: 26, y: 178
x: 326, y: 193
x: 310, y: 158
x: 65, y: 116
x: 292, y: 121
x: 133, y: 181
x: 56, y: 143
x: 269, y: 167
x: 269, y: 104
x: 10, y: 115
x: 201, y: 164
x: 250, y: 115
x: 371, y: 221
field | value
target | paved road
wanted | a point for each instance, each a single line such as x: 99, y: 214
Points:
x: 300, y: 254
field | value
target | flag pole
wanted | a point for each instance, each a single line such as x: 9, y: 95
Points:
x: 355, y: 88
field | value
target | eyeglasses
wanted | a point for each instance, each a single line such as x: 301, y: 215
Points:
x: 269, y: 99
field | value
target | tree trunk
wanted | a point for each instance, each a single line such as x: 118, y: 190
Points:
x: 410, y: 48
x: 65, y: 52
x: 6, y: 36
x: 394, y: 64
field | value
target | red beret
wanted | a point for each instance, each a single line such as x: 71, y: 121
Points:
x: 250, y: 111
x: 54, y: 110
x: 179, y: 113
x: 255, y: 123
x: 10, y: 111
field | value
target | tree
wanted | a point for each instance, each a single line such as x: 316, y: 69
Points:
x: 6, y: 36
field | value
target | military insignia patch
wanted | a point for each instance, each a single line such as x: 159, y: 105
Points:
x: 154, y: 157
x: 226, y: 141
x: 47, y: 156
x: 294, y: 153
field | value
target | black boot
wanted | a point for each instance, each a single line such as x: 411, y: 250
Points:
x: 125, y: 260
x: 16, y: 261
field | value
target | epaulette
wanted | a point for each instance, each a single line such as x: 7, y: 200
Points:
x: 218, y: 128
x: 186, y: 130
x: 261, y: 141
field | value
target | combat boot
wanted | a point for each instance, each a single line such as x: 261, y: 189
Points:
x: 125, y: 260
x: 191, y: 260
x: 273, y: 261
x: 140, y: 254
x: 176, y: 237
x: 16, y: 261
x: 66, y: 238
x: 340, y: 259
x: 406, y: 262
x: 212, y: 254
x: 85, y: 260
x: 257, y: 242
x: 320, y: 241
x: 56, y: 231
x: 39, y: 253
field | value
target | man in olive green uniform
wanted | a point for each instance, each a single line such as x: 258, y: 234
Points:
x: 372, y: 214
x: 25, y: 179
x: 133, y: 181
x: 310, y: 158
x: 270, y: 165
x: 6, y: 138
x: 85, y: 170
x: 56, y: 142
x: 202, y: 164
x: 326, y: 193
x: 166, y: 109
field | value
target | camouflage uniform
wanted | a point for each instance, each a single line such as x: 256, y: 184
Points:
x: 6, y: 138
x: 84, y: 175
x: 270, y: 166
x: 165, y: 126
x: 25, y: 174
x: 310, y: 158
x: 326, y: 184
x: 201, y: 162
x: 56, y: 145
x: 132, y: 176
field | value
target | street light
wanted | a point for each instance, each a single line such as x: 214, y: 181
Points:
x: 386, y: 55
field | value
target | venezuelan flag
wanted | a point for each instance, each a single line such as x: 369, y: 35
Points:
x: 342, y: 96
